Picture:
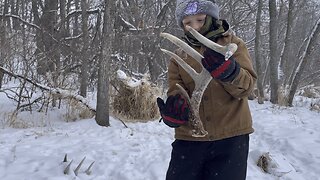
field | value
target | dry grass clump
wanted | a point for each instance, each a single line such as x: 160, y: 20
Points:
x: 135, y: 103
x: 311, y: 92
x: 76, y: 110
x: 263, y: 162
x: 24, y: 120
x: 275, y: 164
x: 315, y: 106
x: 314, y: 94
x: 283, y: 96
x: 14, y: 121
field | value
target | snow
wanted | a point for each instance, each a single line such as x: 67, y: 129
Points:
x: 142, y: 152
x: 130, y: 81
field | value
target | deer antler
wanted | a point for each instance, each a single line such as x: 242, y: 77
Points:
x: 76, y: 171
x: 227, y: 50
x: 201, y: 79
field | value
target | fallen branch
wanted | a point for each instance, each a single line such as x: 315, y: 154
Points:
x: 54, y: 91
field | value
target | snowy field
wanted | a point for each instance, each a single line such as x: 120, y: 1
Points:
x: 141, y: 152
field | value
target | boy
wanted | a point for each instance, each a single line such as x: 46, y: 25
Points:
x: 224, y: 110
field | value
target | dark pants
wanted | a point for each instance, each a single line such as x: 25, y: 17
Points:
x: 209, y: 160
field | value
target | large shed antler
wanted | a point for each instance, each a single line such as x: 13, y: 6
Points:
x: 201, y: 79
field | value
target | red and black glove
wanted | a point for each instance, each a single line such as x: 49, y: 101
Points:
x: 218, y: 67
x: 175, y: 111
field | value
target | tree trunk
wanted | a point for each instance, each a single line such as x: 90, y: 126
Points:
x: 84, y: 77
x: 163, y: 11
x: 6, y: 6
x: 47, y: 52
x: 102, y: 114
x: 257, y: 53
x: 273, y: 51
x: 284, y: 58
x: 3, y: 42
x: 15, y: 10
x: 2, y: 45
x: 63, y: 17
x: 311, y: 43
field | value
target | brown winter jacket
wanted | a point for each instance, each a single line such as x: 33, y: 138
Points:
x: 224, y: 109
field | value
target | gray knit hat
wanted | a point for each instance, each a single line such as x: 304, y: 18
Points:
x: 191, y: 7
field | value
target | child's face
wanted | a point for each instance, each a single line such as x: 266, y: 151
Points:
x: 195, y: 21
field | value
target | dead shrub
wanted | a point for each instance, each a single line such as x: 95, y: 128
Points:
x: 310, y: 92
x: 263, y: 162
x: 275, y: 164
x: 135, y: 100
x: 75, y: 110
x: 315, y: 106
x: 24, y: 120
x: 15, y: 122
x: 283, y: 96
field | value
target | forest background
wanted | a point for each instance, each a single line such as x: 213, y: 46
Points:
x: 70, y: 48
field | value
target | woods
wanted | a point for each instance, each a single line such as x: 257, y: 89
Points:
x: 78, y: 45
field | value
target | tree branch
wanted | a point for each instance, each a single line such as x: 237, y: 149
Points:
x: 55, y: 91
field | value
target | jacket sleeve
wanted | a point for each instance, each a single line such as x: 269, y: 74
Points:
x: 244, y: 83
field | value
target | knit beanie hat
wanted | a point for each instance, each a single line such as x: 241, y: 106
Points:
x: 192, y: 7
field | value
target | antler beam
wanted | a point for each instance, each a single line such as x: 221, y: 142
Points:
x: 201, y: 79
x: 227, y: 50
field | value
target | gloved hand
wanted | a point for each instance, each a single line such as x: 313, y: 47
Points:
x: 218, y: 67
x: 175, y: 111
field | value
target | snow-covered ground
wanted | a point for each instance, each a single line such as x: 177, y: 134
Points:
x: 142, y: 151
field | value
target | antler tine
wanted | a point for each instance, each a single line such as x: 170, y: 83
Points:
x: 201, y: 79
x: 88, y: 171
x: 184, y: 65
x: 65, y: 159
x: 192, y: 52
x: 194, y: 75
x: 78, y: 167
x: 67, y: 169
x: 227, y: 50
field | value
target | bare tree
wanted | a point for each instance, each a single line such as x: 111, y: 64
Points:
x: 257, y: 53
x: 273, y: 45
x: 284, y: 57
x: 72, y: 44
x: 306, y: 56
x: 3, y: 41
x: 47, y: 51
x: 84, y: 58
x: 102, y: 115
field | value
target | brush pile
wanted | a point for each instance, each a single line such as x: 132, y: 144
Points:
x: 134, y: 100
